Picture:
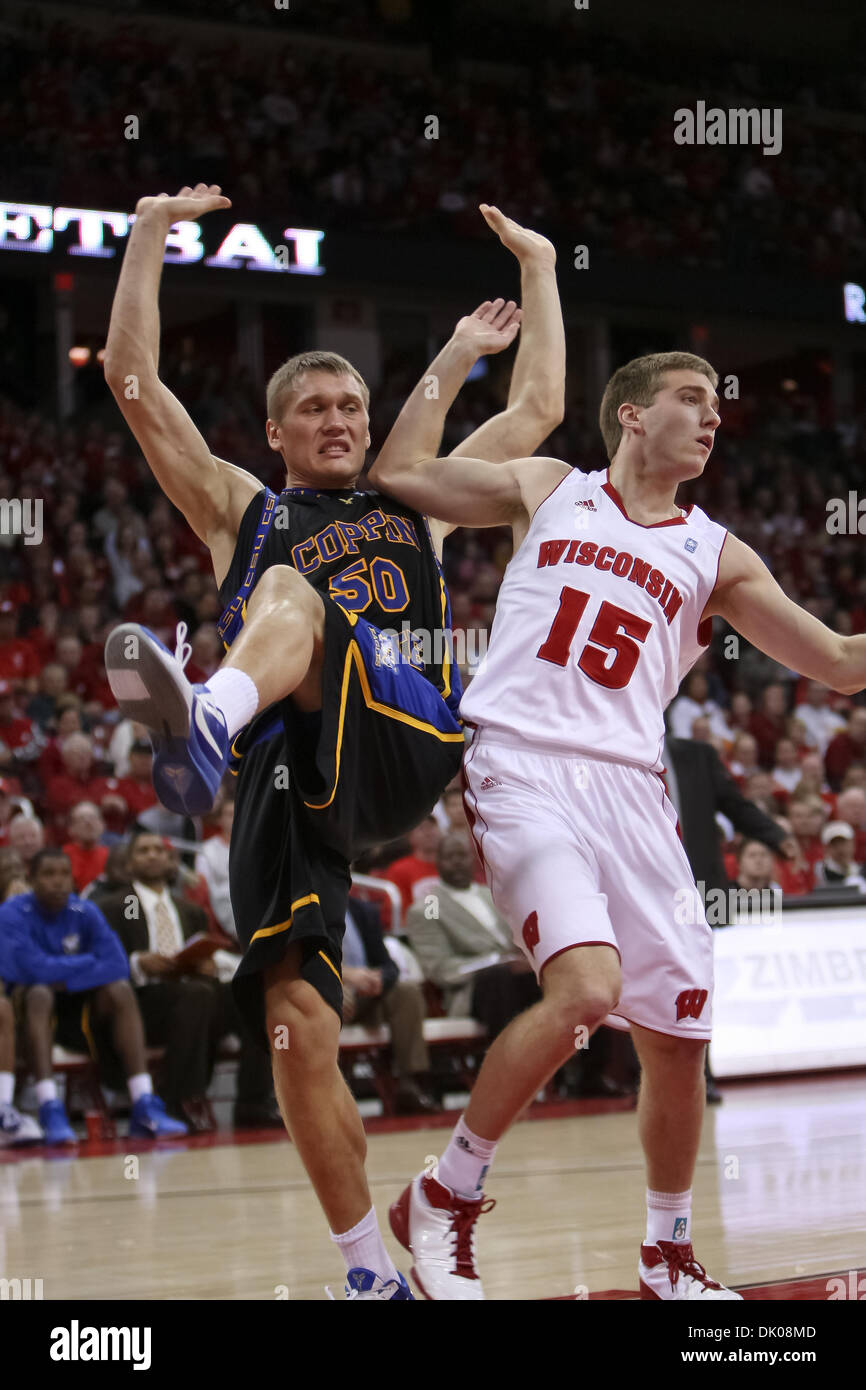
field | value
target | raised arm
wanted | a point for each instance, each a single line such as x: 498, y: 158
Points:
x: 211, y: 493
x: 747, y: 596
x: 536, y: 396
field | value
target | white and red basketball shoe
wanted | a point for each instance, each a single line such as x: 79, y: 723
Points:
x: 669, y: 1270
x: 439, y: 1229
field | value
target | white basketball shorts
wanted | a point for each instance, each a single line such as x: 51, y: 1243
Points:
x: 584, y: 851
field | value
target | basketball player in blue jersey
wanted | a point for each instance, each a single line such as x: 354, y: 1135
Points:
x: 606, y: 604
x: 339, y: 738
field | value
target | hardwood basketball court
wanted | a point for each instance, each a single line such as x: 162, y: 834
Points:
x: 780, y: 1205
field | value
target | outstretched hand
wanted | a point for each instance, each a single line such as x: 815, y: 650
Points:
x: 185, y: 206
x: 524, y: 244
x: 491, y: 328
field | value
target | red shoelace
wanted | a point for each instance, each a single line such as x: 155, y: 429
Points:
x: 680, y: 1259
x: 465, y: 1216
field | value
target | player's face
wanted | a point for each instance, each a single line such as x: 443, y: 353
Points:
x: 324, y: 431
x: 679, y: 428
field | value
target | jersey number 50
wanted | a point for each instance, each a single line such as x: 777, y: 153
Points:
x: 605, y: 637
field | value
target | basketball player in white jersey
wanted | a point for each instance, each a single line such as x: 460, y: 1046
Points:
x: 603, y: 609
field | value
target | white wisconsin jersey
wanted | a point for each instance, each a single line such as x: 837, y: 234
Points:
x: 596, y: 624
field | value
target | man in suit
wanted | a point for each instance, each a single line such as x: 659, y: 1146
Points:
x: 699, y: 785
x: 186, y: 1012
x: 455, y: 929
x: 373, y: 994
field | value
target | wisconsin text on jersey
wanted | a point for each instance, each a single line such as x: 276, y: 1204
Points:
x: 618, y: 562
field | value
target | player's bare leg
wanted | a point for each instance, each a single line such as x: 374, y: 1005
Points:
x: 284, y: 615
x: 670, y: 1114
x: 435, y: 1217
x: 319, y: 1112
x: 580, y: 987
x: 671, y: 1105
x: 278, y: 653
x: 315, y: 1102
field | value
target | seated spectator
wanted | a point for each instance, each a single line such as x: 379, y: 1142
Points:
x: 13, y: 878
x: 27, y: 837
x: 42, y: 707
x: 735, y: 720
x: 69, y: 721
x: 768, y: 722
x: 114, y: 876
x: 818, y: 719
x: 136, y: 787
x: 186, y: 1010
x: 466, y: 948
x: 76, y: 981
x: 846, y: 747
x: 85, y: 850
x: 125, y: 734
x: 806, y: 815
x: 15, y: 1129
x: 744, y: 759
x: 12, y: 804
x: 212, y: 863
x: 80, y: 782
x: 693, y: 702
x: 419, y: 864
x: 373, y: 994
x: 838, y: 865
x: 19, y: 741
x: 19, y: 663
x: 787, y: 771
x: 851, y: 807
x: 756, y: 866
x: 760, y: 789
x: 812, y: 781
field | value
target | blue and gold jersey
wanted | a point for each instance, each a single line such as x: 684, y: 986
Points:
x: 369, y: 553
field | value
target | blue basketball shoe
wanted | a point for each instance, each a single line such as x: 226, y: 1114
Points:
x: 364, y: 1284
x: 148, y: 1120
x: 188, y: 733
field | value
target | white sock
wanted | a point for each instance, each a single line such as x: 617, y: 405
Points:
x: 46, y: 1090
x: 668, y: 1216
x: 235, y: 696
x: 7, y: 1087
x: 464, y: 1164
x: 363, y: 1248
x: 139, y: 1085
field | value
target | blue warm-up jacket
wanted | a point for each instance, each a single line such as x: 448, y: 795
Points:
x: 76, y: 947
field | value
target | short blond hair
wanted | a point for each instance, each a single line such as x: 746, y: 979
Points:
x: 285, y: 378
x: 638, y: 383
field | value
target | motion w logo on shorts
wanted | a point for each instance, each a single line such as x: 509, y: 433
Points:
x: 690, y: 1003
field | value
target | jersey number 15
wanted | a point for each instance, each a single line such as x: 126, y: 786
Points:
x: 604, y: 638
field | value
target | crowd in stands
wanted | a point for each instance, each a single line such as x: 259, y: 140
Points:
x: 581, y: 149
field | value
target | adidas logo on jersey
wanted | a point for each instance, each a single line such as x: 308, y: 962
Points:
x: 588, y: 503
x: 489, y: 783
